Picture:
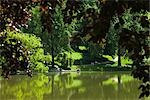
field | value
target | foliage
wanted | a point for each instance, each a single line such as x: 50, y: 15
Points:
x: 68, y: 58
x: 76, y: 56
x: 14, y: 55
x: 2, y: 60
x: 134, y: 37
x: 32, y: 45
x: 124, y: 61
x: 14, y: 13
x: 35, y: 27
x: 82, y: 48
x: 62, y: 31
x: 31, y: 42
x: 112, y: 39
x: 108, y: 57
x: 34, y: 24
x: 39, y: 61
x: 59, y: 31
x: 147, y: 61
x: 133, y: 34
x: 94, y: 50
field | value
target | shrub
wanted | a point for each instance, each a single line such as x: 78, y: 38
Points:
x: 22, y: 47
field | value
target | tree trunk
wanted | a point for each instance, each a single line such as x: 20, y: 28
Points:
x: 70, y: 60
x: 52, y: 51
x: 119, y: 55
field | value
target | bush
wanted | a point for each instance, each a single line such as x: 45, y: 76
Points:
x: 29, y: 46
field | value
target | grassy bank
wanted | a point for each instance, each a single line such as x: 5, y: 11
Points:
x: 104, y: 68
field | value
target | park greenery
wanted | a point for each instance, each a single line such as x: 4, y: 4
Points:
x: 70, y: 35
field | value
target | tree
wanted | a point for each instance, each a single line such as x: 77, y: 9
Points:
x: 112, y: 40
x: 133, y: 37
x: 59, y: 31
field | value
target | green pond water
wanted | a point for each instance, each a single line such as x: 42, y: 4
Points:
x: 71, y: 86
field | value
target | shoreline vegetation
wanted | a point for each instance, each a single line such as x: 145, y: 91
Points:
x: 86, y: 67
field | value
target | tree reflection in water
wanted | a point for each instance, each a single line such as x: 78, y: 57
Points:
x: 66, y: 86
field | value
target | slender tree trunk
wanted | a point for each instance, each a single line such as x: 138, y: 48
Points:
x: 52, y: 51
x: 70, y: 61
x: 119, y: 55
x: 119, y: 47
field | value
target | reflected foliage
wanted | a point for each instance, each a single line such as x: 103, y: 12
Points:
x: 70, y: 86
x: 25, y: 88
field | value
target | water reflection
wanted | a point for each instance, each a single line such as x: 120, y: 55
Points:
x: 70, y: 86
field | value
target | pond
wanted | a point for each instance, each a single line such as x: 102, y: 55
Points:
x: 71, y: 86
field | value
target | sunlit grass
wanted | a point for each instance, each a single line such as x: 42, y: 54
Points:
x: 124, y: 61
x: 82, y: 48
x: 74, y: 55
x: 108, y: 57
